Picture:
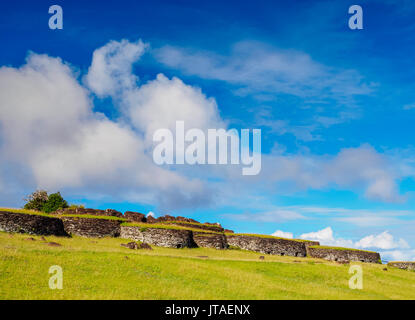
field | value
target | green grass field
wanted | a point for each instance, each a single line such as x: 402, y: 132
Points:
x: 102, y: 269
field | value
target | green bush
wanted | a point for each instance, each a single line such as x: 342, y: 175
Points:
x: 54, y: 203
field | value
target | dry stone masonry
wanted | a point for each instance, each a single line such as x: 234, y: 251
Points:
x: 270, y: 245
x: 174, y: 232
x: 342, y: 254
x: 90, y: 227
x: 405, y: 265
x: 30, y: 223
x: 162, y: 237
x: 135, y: 216
x: 210, y: 240
x: 91, y: 212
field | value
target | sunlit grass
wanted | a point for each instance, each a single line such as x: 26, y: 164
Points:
x: 25, y: 211
x: 102, y: 269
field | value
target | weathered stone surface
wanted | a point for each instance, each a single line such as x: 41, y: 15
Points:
x: 342, y: 255
x: 130, y: 245
x: 89, y: 211
x: 135, y: 216
x: 405, y: 265
x: 275, y: 246
x: 30, y: 223
x: 210, y: 227
x: 151, y: 219
x: 145, y: 246
x: 171, y: 218
x: 90, y: 227
x: 161, y: 237
x: 210, y: 240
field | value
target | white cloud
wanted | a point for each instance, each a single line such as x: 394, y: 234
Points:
x: 51, y: 133
x: 111, y: 68
x: 150, y: 214
x: 282, y: 234
x: 361, y: 168
x: 326, y: 237
x: 49, y: 128
x: 383, y: 241
x: 276, y: 215
x: 257, y: 67
x: 161, y: 102
x: 398, y: 255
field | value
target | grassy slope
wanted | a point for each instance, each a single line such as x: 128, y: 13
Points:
x: 99, y: 269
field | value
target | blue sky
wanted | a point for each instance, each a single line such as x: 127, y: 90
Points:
x: 335, y: 106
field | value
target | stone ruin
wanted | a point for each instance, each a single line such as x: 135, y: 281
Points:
x: 271, y: 245
x: 343, y: 255
x: 169, y: 231
x: 31, y: 224
x: 404, y: 265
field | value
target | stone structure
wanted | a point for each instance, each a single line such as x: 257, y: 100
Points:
x: 342, y: 254
x: 405, y: 265
x: 208, y: 227
x: 130, y: 245
x: 90, y: 227
x: 163, y: 237
x: 88, y: 211
x: 171, y: 218
x: 135, y: 216
x: 31, y: 223
x: 210, y: 240
x: 270, y: 245
x: 190, y: 234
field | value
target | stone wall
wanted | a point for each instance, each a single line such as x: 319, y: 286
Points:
x: 135, y: 216
x: 30, y: 223
x: 212, y: 227
x: 91, y: 212
x: 90, y: 227
x: 342, y: 254
x: 405, y: 265
x: 171, y: 218
x: 210, y: 240
x: 172, y: 238
x: 276, y: 246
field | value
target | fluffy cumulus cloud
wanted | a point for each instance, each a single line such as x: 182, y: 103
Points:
x: 383, y: 241
x: 389, y: 247
x: 50, y: 131
x: 161, y: 102
x: 111, y: 69
x: 398, y: 255
x: 326, y: 237
x: 282, y: 234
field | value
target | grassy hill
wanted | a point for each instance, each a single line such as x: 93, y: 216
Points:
x: 102, y: 269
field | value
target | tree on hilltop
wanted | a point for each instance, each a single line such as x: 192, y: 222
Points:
x: 41, y: 201
x: 36, y: 200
